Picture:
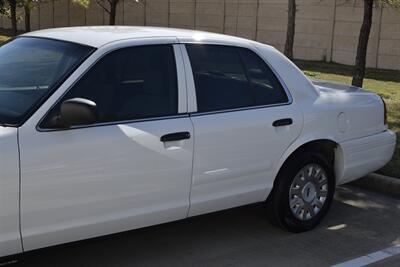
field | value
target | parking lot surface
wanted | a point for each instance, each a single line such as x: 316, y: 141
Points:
x: 358, y: 224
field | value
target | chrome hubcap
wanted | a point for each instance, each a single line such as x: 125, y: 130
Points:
x: 308, y: 192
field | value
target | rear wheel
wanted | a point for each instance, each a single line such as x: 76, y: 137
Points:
x: 303, y: 192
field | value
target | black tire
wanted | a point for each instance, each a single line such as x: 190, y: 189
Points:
x: 279, y: 210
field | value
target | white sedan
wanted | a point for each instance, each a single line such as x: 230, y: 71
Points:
x: 107, y: 129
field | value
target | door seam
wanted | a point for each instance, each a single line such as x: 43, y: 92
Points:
x: 192, y: 172
x: 19, y: 191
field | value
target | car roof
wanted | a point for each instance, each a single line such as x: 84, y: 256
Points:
x: 97, y: 36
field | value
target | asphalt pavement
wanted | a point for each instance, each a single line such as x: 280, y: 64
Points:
x: 359, y: 224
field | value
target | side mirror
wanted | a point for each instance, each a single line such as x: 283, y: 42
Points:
x: 78, y: 111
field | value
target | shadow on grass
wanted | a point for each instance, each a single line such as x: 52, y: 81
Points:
x: 339, y: 69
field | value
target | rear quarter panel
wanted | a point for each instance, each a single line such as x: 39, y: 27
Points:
x: 349, y: 115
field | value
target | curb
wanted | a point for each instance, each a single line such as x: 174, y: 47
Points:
x: 386, y: 185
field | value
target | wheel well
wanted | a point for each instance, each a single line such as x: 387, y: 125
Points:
x: 326, y: 147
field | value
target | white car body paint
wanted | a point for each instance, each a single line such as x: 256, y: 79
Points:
x: 10, y: 238
x: 228, y: 172
x: 93, y: 181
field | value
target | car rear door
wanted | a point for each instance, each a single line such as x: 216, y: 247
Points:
x: 130, y: 169
x: 244, y: 119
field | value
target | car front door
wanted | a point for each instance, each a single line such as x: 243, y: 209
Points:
x: 124, y: 171
x: 244, y: 122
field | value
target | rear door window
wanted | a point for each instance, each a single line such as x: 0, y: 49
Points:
x: 266, y: 87
x: 220, y: 78
x: 229, y: 77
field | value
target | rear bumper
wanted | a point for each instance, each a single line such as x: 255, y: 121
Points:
x: 362, y: 156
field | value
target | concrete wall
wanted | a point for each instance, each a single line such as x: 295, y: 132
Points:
x: 325, y: 29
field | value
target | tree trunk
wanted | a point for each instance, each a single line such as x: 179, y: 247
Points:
x: 359, y: 69
x: 13, y: 10
x: 27, y: 17
x: 290, y: 29
x: 113, y: 11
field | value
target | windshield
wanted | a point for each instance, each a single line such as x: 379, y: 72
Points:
x: 30, y: 68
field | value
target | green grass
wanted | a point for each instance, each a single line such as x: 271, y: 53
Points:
x: 3, y: 38
x: 5, y: 35
x: 384, y: 82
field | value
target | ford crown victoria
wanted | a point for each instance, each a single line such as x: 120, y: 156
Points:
x: 108, y: 129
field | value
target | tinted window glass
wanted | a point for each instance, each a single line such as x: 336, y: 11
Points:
x: 132, y: 83
x: 30, y: 68
x: 219, y: 77
x: 266, y: 87
x: 230, y: 77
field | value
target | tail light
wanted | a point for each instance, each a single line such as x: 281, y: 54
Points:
x: 384, y: 111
